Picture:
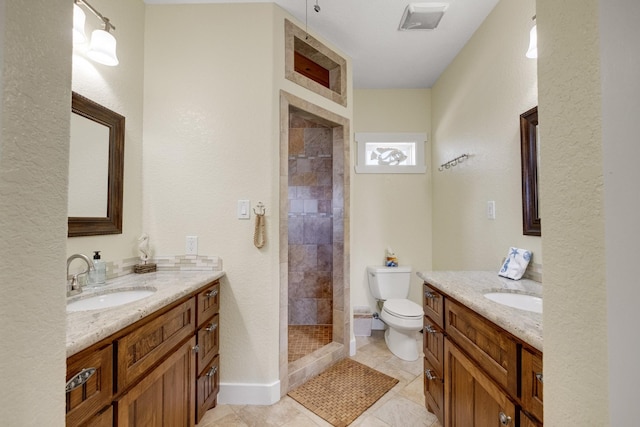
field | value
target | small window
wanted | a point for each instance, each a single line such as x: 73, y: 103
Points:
x: 391, y: 152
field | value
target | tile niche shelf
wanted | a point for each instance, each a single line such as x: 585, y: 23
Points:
x: 312, y: 65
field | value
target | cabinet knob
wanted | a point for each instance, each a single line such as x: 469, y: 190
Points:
x: 430, y: 375
x: 195, y: 348
x: 212, y: 327
x: 212, y: 371
x: 539, y: 376
x: 505, y: 420
x: 430, y: 295
x: 212, y: 293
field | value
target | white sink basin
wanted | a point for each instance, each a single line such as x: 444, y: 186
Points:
x: 521, y: 301
x: 109, y: 299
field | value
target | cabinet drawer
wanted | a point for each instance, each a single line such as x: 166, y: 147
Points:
x: 208, y: 302
x: 433, y: 339
x: 433, y: 391
x: 532, y: 383
x: 143, y: 348
x: 485, y: 343
x: 433, y: 305
x: 103, y: 419
x: 208, y: 342
x: 207, y: 388
x: 87, y: 399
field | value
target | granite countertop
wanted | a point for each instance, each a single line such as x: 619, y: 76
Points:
x: 469, y: 287
x: 85, y: 328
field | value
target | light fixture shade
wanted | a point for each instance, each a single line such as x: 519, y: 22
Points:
x: 79, y: 17
x: 103, y: 48
x: 532, y: 52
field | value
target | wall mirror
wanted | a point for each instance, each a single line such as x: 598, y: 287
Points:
x: 529, y: 142
x: 96, y: 169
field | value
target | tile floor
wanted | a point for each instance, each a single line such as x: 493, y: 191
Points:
x: 402, y: 406
x: 305, y: 339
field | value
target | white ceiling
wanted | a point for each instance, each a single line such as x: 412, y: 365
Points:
x: 367, y: 31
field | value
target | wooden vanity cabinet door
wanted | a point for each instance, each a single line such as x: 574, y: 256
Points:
x: 165, y: 397
x: 148, y: 344
x: 433, y: 304
x: 433, y: 340
x: 532, y: 386
x: 208, y: 302
x: 433, y: 391
x: 208, y: 385
x: 473, y: 399
x: 103, y: 419
x: 485, y: 343
x: 208, y: 342
x: 95, y: 394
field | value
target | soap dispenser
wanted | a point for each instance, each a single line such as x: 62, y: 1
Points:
x: 98, y: 275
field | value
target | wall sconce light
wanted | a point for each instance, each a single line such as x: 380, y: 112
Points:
x: 102, y: 48
x: 532, y: 52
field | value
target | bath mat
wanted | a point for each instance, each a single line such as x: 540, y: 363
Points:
x: 344, y: 391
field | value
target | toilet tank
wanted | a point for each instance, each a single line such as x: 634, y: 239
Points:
x: 389, y: 282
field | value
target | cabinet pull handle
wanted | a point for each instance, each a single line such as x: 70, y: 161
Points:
x: 539, y: 376
x: 505, y: 420
x: 430, y: 375
x: 212, y: 327
x: 212, y: 371
x: 212, y: 293
x: 430, y: 329
x: 79, y: 379
x: 430, y: 295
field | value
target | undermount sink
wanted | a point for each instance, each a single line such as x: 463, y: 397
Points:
x: 520, y: 301
x: 108, y: 299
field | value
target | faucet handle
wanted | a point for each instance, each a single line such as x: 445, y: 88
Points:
x: 73, y: 287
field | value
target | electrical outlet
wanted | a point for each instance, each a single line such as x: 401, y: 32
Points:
x: 491, y: 209
x: 192, y: 245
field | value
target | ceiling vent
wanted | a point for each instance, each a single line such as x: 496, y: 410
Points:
x: 422, y: 16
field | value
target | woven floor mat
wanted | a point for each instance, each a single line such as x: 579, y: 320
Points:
x: 343, y: 392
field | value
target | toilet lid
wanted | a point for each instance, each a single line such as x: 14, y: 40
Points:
x: 403, y: 308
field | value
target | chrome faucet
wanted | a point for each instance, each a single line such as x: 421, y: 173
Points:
x: 73, y: 286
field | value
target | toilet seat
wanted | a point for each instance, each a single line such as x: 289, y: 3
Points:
x: 403, y: 308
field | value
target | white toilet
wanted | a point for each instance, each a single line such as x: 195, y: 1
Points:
x: 402, y: 317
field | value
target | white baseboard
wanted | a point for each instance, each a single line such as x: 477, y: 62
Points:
x: 249, y: 394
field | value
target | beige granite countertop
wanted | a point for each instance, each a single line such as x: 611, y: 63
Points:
x: 469, y: 287
x: 85, y: 328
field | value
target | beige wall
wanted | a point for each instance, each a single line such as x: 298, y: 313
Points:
x: 35, y: 94
x: 119, y: 89
x: 211, y: 128
x: 390, y: 209
x: 620, y: 68
x: 477, y: 102
x: 575, y: 316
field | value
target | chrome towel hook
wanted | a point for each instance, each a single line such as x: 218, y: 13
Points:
x: 261, y: 210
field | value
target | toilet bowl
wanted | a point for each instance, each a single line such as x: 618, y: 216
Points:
x: 403, y: 318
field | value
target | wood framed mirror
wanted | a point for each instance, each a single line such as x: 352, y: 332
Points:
x: 531, y: 224
x: 96, y: 169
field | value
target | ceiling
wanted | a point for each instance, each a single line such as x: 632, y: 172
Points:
x: 367, y: 31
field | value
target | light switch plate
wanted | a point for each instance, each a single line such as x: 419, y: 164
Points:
x: 244, y: 209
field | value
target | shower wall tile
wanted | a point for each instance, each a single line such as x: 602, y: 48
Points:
x: 296, y: 206
x: 310, y: 206
x: 325, y: 207
x: 303, y: 311
x: 296, y: 142
x: 296, y: 230
x: 325, y: 257
x: 325, y: 311
x: 302, y: 257
x: 318, y: 230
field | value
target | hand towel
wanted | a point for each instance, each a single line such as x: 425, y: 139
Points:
x: 515, y: 264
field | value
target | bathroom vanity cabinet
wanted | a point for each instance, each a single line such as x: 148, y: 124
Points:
x: 162, y: 370
x: 476, y: 373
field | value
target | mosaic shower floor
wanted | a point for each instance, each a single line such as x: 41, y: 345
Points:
x: 305, y: 339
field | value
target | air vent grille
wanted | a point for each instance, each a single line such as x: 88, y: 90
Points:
x: 422, y: 16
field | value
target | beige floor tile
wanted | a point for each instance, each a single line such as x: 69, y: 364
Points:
x: 402, y: 406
